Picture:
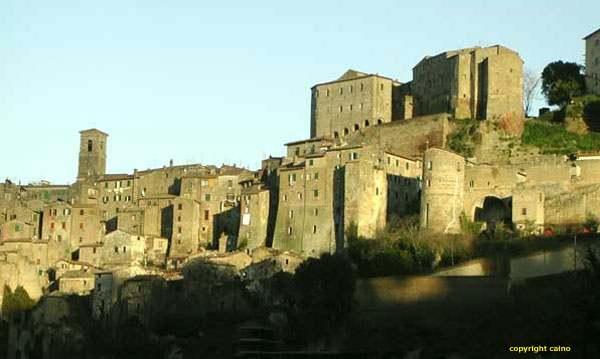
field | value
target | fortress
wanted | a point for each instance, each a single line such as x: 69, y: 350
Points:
x: 378, y: 149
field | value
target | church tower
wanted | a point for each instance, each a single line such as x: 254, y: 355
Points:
x: 92, y: 154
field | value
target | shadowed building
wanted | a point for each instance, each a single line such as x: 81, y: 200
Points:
x: 592, y: 62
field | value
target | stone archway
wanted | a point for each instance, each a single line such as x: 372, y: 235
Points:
x: 493, y: 210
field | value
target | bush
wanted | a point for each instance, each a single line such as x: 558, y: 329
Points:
x: 464, y: 137
x: 554, y: 138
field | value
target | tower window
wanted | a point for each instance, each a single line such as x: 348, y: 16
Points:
x: 89, y: 146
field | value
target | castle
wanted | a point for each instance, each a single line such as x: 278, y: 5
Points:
x: 377, y: 150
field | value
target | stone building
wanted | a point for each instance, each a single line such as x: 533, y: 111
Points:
x: 79, y: 282
x: 482, y: 83
x: 547, y: 192
x: 592, y: 62
x: 122, y: 248
x: 353, y: 101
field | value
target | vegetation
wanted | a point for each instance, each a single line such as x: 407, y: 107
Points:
x: 322, y: 295
x: 553, y: 138
x: 464, y: 137
x: 561, y: 82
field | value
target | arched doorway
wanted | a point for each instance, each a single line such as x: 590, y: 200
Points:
x: 494, y: 210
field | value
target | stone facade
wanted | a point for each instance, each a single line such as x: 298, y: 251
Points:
x: 353, y: 101
x: 483, y: 83
x: 592, y: 62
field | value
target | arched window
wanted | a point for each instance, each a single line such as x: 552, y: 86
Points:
x: 356, y: 127
x: 89, y: 146
x: 336, y: 134
x: 345, y: 131
x: 379, y: 122
x: 366, y: 123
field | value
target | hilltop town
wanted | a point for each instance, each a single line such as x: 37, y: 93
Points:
x: 378, y: 149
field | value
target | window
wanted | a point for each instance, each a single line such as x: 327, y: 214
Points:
x: 428, y: 183
x: 379, y: 122
x: 356, y: 127
x: 327, y: 92
x: 524, y: 211
x: 289, y: 231
x: 350, y: 107
x: 346, y: 131
x: 353, y: 156
x: 180, y: 206
x: 94, y: 251
x: 341, y: 90
x: 292, y: 177
x: 207, y: 197
x: 89, y: 145
x: 179, y: 229
x: 351, y: 88
x: 316, y: 176
x: 366, y: 122
x: 105, y: 184
x: 336, y: 134
x: 17, y: 228
x: 66, y: 211
x: 118, y: 184
x: 64, y: 225
x: 430, y: 165
x: 310, y: 162
x: 59, y: 237
x: 178, y: 218
x: 116, y: 249
x: 471, y: 183
x: 316, y: 193
x: 206, y: 214
x: 128, y: 183
x: 389, y: 160
x: 377, y: 191
x: 362, y: 86
x: 299, y: 195
x: 81, y: 212
x: 80, y: 225
x: 341, y: 108
x: 52, y: 225
x: 458, y: 166
x: 124, y: 249
x: 316, y: 212
x: 291, y: 214
x: 316, y: 93
x: 314, y: 229
x: 381, y: 87
x: 285, y: 197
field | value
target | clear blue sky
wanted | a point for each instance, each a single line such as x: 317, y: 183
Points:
x: 227, y: 82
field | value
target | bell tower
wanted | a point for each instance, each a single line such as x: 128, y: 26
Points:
x: 92, y: 154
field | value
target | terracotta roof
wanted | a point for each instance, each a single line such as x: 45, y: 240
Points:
x: 314, y: 139
x: 405, y: 156
x: 360, y: 75
x: 77, y: 274
x: 110, y: 177
x: 93, y: 130
x: 592, y: 34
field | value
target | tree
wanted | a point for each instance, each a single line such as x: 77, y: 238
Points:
x: 531, y: 81
x: 323, y: 292
x: 561, y: 81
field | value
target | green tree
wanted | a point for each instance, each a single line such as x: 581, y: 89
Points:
x: 561, y: 81
x: 323, y: 294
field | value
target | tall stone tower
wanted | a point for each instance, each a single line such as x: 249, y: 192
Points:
x: 92, y: 154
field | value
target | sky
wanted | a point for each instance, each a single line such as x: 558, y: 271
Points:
x: 226, y: 82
